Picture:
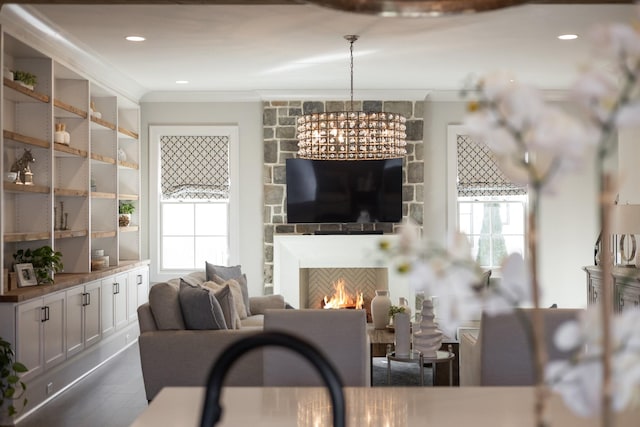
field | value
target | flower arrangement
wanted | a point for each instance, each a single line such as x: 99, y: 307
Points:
x: 536, y: 144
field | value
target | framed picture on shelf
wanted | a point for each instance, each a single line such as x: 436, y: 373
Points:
x: 26, y: 275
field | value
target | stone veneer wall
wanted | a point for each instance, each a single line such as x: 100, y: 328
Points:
x: 279, y: 127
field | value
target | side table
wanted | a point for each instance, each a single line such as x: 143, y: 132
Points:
x: 418, y: 357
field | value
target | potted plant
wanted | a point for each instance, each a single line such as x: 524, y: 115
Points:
x: 11, y: 388
x: 125, y: 209
x: 25, y: 78
x: 46, y: 262
x: 393, y: 310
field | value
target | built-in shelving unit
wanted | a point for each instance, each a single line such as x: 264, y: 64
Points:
x: 72, y: 204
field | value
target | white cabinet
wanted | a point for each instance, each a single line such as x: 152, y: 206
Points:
x: 114, y: 303
x: 83, y: 317
x: 138, y: 292
x: 41, y: 333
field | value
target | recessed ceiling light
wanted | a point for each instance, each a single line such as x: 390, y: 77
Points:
x: 568, y: 36
x: 182, y: 82
x: 135, y: 38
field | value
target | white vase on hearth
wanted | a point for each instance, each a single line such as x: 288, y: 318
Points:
x: 380, y: 305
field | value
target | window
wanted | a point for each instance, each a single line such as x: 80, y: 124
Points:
x: 489, y: 208
x: 194, y: 200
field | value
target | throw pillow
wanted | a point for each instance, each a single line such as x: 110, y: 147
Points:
x: 165, y: 306
x: 226, y: 273
x: 223, y: 271
x: 225, y: 298
x: 200, y: 309
x: 235, y: 291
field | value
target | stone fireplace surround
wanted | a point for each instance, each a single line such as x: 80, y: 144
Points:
x: 294, y: 253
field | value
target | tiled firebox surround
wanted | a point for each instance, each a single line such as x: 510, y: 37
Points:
x: 279, y: 127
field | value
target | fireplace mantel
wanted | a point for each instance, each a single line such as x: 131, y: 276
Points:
x: 293, y: 252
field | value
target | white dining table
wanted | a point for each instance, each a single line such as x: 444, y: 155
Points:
x: 372, y: 406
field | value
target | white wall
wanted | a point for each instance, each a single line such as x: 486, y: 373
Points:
x: 568, y: 219
x: 248, y: 117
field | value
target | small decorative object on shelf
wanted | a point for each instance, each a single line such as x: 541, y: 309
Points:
x: 21, y: 166
x: 93, y: 184
x: 429, y: 338
x: 11, y: 176
x: 7, y: 73
x: 380, y: 305
x: 26, y: 274
x: 63, y: 223
x: 125, y: 210
x: 61, y: 136
x: 94, y: 113
x: 25, y: 78
x: 122, y: 156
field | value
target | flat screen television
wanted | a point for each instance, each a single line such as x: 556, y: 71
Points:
x: 333, y: 191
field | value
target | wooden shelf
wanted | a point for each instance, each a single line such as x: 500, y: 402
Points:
x: 29, y: 140
x: 102, y: 234
x: 102, y: 123
x: 68, y: 110
x: 127, y: 133
x: 98, y: 195
x: 68, y: 234
x: 103, y: 159
x: 62, y: 148
x: 26, y: 237
x: 23, y: 94
x: 129, y: 229
x: 129, y: 165
x: 21, y: 188
x: 70, y: 192
x: 123, y: 196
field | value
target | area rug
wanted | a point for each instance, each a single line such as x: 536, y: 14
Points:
x: 402, y: 374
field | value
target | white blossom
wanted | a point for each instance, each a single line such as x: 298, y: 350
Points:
x: 579, y: 380
x: 514, y: 288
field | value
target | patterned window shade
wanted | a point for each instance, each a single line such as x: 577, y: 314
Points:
x: 194, y: 167
x: 479, y: 174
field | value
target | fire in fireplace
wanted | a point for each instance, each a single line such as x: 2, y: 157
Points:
x: 341, y: 298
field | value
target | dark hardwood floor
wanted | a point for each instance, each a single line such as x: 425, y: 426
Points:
x: 111, y: 396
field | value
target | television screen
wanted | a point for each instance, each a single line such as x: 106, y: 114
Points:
x: 321, y: 191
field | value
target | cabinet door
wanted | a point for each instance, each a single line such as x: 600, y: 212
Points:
x: 54, y: 330
x: 628, y: 297
x: 30, y: 316
x: 107, y: 287
x: 142, y: 282
x: 120, y: 301
x: 92, y: 309
x: 75, y: 332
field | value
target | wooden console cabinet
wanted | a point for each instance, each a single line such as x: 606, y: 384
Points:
x: 626, y: 284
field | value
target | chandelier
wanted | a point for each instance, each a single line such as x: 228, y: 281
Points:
x: 351, y: 135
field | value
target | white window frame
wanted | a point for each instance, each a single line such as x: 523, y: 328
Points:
x: 453, y: 131
x: 155, y: 133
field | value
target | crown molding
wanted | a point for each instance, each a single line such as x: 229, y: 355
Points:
x: 32, y: 28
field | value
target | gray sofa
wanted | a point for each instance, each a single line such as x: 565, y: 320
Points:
x: 174, y: 356
x: 171, y: 355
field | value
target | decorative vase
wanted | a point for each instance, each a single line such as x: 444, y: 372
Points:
x: 380, y: 305
x: 403, y: 303
x: 59, y: 134
x: 429, y: 338
x: 402, y: 323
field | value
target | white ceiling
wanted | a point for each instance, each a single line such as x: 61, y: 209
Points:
x: 298, y: 48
